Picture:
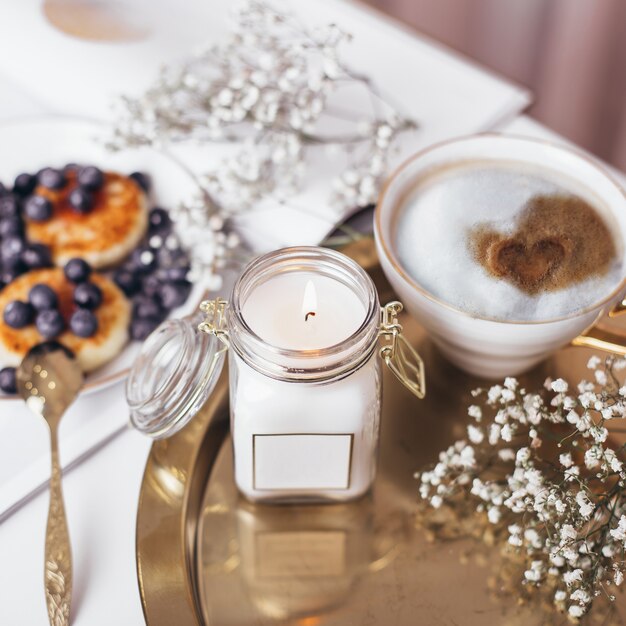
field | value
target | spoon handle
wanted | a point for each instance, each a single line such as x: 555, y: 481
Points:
x: 58, y: 565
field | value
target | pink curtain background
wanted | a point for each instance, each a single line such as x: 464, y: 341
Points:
x: 570, y: 53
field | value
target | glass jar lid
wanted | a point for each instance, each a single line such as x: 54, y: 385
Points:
x: 172, y: 377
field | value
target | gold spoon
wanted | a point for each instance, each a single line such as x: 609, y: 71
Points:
x: 49, y: 379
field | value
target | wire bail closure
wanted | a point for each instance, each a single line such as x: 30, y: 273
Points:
x: 215, y: 321
x: 399, y: 355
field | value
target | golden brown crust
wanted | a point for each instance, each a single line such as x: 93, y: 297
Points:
x: 113, y: 317
x: 104, y: 235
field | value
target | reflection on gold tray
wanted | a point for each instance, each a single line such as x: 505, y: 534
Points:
x: 205, y: 556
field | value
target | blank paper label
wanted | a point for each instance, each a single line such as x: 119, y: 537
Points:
x: 302, y: 461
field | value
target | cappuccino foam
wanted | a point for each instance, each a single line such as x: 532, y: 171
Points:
x: 436, y: 235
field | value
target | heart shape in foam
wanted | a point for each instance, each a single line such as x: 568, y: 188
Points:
x: 559, y: 240
x: 526, y: 264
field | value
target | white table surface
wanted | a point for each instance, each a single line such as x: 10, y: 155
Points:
x: 101, y: 493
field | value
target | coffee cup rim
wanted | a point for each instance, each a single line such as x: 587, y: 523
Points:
x: 391, y: 257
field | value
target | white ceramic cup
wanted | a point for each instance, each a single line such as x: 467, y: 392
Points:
x: 489, y: 347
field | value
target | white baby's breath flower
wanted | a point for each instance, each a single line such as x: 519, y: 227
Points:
x: 436, y: 501
x: 618, y: 577
x: 475, y: 412
x: 507, y: 395
x: 494, y: 393
x: 494, y: 434
x: 619, y: 532
x: 600, y: 376
x: 572, y: 576
x: 507, y: 432
x: 506, y: 454
x: 511, y: 383
x: 608, y: 550
x: 569, y: 403
x: 522, y: 456
x: 559, y: 385
x: 585, y: 506
x: 565, y: 459
x: 534, y: 574
x: 599, y: 433
x: 575, y: 610
x: 581, y: 596
x: 593, y: 362
x: 607, y: 413
x: 568, y: 533
x: 592, y: 457
x: 475, y: 434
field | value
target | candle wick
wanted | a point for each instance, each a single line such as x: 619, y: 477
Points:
x: 310, y: 313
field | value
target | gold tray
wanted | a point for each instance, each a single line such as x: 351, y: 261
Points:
x: 205, y: 556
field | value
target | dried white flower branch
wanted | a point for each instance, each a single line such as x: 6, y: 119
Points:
x: 542, y: 468
x: 273, y: 86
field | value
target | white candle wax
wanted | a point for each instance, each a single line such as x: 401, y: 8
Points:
x: 303, y: 311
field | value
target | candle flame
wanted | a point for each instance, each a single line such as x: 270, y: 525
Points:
x: 309, y: 301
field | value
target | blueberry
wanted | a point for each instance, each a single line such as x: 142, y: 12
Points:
x: 38, y: 209
x: 159, y: 220
x: 11, y: 226
x: 49, y: 323
x: 77, y: 270
x: 90, y: 177
x: 70, y: 167
x: 43, y: 297
x: 174, y: 294
x: 81, y: 200
x: 11, y: 272
x: 8, y: 380
x: 3, y: 190
x: 140, y: 328
x: 83, y: 323
x: 151, y: 286
x: 129, y: 282
x: 36, y: 255
x: 24, y: 184
x: 51, y: 178
x: 11, y: 248
x: 87, y: 296
x: 18, y: 314
x: 9, y: 206
x: 144, y: 260
x: 142, y: 179
x: 144, y: 306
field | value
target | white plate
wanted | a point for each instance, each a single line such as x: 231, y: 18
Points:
x: 28, y: 145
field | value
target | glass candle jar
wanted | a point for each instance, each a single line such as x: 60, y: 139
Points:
x: 302, y: 331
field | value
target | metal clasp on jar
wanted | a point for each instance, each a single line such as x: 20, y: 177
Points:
x: 399, y: 355
x: 215, y: 321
